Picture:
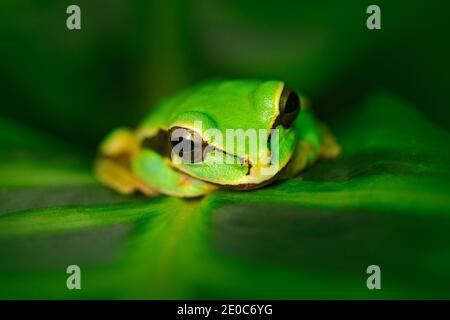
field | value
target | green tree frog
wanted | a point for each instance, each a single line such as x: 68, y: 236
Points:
x: 236, y: 134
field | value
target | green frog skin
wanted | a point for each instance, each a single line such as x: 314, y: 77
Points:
x: 142, y: 159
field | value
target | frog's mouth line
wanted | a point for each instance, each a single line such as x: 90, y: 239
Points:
x: 252, y: 186
x: 161, y: 144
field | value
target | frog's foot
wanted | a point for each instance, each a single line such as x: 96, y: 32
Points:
x: 330, y: 148
x: 305, y: 154
x: 112, y: 168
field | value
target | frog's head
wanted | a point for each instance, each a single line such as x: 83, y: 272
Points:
x: 236, y: 133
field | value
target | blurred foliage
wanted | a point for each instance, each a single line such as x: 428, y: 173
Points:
x: 384, y: 202
x: 129, y: 54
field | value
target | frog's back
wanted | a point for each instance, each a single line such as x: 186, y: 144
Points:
x: 227, y: 100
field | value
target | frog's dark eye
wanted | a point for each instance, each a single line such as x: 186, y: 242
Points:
x: 289, y: 107
x: 187, y: 145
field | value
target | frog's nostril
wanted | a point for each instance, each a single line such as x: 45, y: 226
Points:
x: 289, y: 106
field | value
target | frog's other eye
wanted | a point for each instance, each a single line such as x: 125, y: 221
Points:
x: 186, y: 144
x: 289, y: 107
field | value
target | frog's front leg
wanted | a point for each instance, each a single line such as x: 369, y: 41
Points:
x: 157, y: 171
x: 113, y: 165
x: 315, y: 142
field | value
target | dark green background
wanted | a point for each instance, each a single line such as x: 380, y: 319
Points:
x: 385, y: 202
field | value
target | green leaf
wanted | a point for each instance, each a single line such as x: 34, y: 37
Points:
x: 384, y: 202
